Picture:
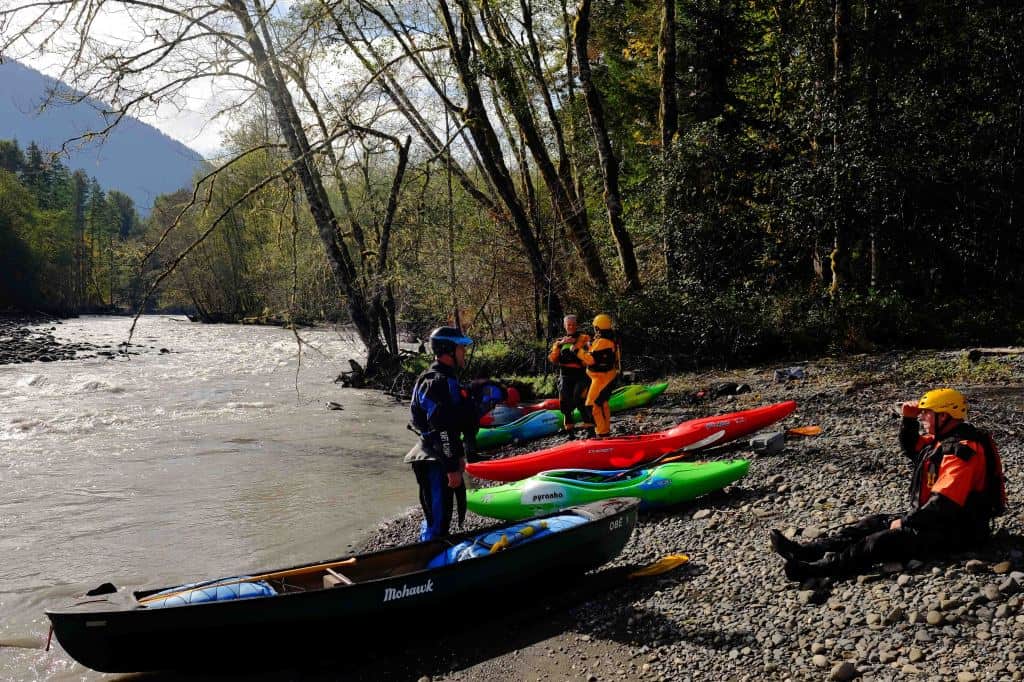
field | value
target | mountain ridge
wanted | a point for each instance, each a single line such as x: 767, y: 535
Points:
x: 134, y: 157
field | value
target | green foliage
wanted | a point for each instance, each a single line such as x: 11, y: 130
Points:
x: 501, y: 358
x: 533, y: 386
x: 18, y: 268
x: 812, y: 206
x: 58, y: 234
x: 520, y: 364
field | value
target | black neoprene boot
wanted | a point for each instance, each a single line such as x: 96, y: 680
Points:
x: 790, y: 549
x: 800, y: 571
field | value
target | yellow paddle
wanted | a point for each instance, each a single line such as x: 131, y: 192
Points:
x: 292, y: 572
x: 662, y: 565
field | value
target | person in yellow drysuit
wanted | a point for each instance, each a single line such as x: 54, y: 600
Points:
x: 602, y: 360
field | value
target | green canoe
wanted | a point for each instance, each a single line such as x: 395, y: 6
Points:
x: 548, y: 422
x: 658, y: 486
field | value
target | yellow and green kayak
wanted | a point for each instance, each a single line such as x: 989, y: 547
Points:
x: 658, y: 486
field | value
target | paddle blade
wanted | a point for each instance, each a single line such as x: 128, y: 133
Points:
x: 663, y: 565
x: 804, y: 431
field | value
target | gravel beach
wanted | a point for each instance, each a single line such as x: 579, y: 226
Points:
x: 730, y: 614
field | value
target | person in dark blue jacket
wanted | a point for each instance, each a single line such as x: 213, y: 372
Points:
x: 445, y: 417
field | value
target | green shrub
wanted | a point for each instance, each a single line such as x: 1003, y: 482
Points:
x: 523, y: 363
x: 955, y: 370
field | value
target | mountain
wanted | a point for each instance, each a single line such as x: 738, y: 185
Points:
x: 135, y: 158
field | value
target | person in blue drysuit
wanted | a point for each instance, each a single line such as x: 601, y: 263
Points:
x: 445, y: 417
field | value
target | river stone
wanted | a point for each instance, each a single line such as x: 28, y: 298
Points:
x: 990, y: 591
x: 1009, y: 586
x: 1002, y: 611
x: 820, y: 660
x: 908, y: 669
x: 1001, y: 568
x: 903, y: 580
x: 844, y: 671
x: 966, y: 677
x: 922, y: 636
x: 974, y: 566
x: 811, y: 532
x: 915, y: 654
x: 818, y: 648
x: 933, y: 618
x: 894, y: 616
x: 701, y: 514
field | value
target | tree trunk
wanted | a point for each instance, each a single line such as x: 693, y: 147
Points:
x: 567, y: 209
x: 840, y: 72
x: 361, y: 311
x: 606, y: 156
x: 878, y: 219
x: 668, y: 114
x: 482, y: 131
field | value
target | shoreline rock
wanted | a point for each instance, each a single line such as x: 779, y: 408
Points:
x: 30, y: 338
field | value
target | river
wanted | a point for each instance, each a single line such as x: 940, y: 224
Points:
x: 219, y: 457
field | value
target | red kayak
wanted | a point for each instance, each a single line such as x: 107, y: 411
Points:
x: 629, y: 451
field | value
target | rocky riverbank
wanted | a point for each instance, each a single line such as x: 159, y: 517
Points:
x: 730, y: 614
x: 32, y: 338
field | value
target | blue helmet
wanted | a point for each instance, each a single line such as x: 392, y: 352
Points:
x: 443, y: 340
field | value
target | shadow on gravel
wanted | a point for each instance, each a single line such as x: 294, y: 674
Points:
x: 472, y: 634
x: 637, y: 626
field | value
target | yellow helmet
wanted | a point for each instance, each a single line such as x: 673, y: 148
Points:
x: 948, y: 400
x: 603, y: 322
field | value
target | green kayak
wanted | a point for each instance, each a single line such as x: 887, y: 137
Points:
x: 658, y: 486
x: 627, y: 397
x: 547, y: 422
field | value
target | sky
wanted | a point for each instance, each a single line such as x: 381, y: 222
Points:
x: 190, y: 119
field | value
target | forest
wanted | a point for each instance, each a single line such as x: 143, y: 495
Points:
x: 729, y: 180
x: 66, y: 244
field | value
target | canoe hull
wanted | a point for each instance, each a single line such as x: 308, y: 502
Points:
x: 109, y: 637
x: 632, y: 451
x: 660, y: 486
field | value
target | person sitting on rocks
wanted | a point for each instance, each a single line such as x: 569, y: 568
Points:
x: 956, y: 490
